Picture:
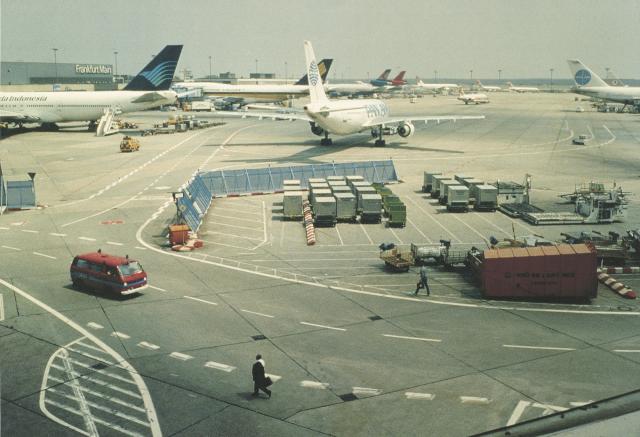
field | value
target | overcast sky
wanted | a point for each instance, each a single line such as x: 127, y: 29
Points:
x: 524, y: 38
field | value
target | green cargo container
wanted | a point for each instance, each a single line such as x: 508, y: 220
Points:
x: 397, y: 214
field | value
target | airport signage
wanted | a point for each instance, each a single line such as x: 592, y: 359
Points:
x: 93, y: 69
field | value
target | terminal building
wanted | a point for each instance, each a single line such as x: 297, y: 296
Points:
x: 43, y: 76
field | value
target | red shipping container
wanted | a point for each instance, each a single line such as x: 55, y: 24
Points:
x: 564, y: 271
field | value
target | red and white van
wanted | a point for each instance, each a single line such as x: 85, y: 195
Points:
x: 116, y: 274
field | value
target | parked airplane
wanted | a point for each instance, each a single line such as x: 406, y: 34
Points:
x: 345, y: 117
x: 489, y: 88
x: 612, y: 80
x: 149, y: 89
x: 435, y: 87
x: 476, y: 98
x: 381, y: 80
x: 350, y: 89
x: 261, y: 93
x: 522, y: 89
x: 590, y: 84
x: 399, y: 79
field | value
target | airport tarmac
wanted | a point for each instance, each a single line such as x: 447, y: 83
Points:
x: 351, y: 350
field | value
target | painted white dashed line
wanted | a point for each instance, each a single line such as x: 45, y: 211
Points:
x: 44, y: 255
x: 423, y: 396
x: 365, y: 391
x: 149, y: 346
x: 94, y: 325
x: 157, y: 288
x: 114, y: 243
x: 141, y: 248
x: 274, y: 378
x: 516, y: 346
x: 200, y: 300
x: 180, y: 356
x: 86, y: 238
x: 219, y: 366
x: 55, y: 234
x: 1, y: 307
x: 3, y: 228
x: 322, y: 326
x: 314, y: 384
x: 258, y: 314
x: 120, y: 335
x: 412, y: 338
x: 474, y: 400
x: 10, y: 247
x: 30, y: 231
x: 627, y: 351
x: 580, y: 404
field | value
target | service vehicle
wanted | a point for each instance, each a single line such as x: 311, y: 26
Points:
x: 111, y: 273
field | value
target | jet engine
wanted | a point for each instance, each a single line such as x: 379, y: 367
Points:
x: 406, y: 129
x: 317, y: 130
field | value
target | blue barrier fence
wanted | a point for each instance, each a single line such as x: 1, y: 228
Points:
x: 194, y: 202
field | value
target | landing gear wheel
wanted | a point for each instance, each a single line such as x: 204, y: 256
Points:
x: 326, y: 141
x: 380, y: 143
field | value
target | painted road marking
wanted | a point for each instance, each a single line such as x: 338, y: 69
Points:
x: 140, y: 248
x: 515, y: 346
x: 412, y: 338
x: 147, y: 345
x: 10, y: 247
x: 102, y: 396
x: 322, y: 326
x: 3, y: 228
x: 46, y: 256
x: 580, y: 404
x: 365, y: 391
x: 30, y: 231
x: 517, y: 412
x: 200, y: 300
x: 219, y: 366
x: 258, y: 314
x: 94, y: 325
x: 474, y: 400
x: 180, y: 356
x: 314, y: 384
x: 274, y: 378
x: 55, y: 234
x: 627, y: 351
x: 1, y: 307
x: 157, y: 288
x: 424, y: 396
x: 86, y: 238
x: 114, y: 243
x: 120, y: 335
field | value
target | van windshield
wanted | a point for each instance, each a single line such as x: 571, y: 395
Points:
x: 131, y: 268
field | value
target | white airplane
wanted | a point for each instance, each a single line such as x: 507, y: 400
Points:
x: 435, y: 87
x: 476, y: 98
x: 346, y: 117
x: 254, y: 93
x: 357, y: 88
x: 490, y: 88
x: 522, y: 89
x: 149, y: 89
x: 590, y: 84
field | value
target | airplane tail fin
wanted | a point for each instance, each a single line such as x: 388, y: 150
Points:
x: 509, y: 84
x: 316, y: 89
x: 385, y: 74
x: 613, y: 80
x: 324, y: 66
x: 157, y: 74
x: 583, y: 76
x: 399, y: 77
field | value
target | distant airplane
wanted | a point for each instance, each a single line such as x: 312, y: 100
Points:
x: 254, y: 93
x: 612, y: 80
x: 489, y: 88
x: 399, y: 79
x: 476, y: 98
x: 590, y: 84
x: 381, y: 80
x: 346, y: 117
x: 435, y: 87
x: 149, y: 89
x: 522, y: 89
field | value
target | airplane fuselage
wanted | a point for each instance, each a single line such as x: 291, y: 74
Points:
x: 54, y: 107
x: 627, y: 95
x: 345, y: 117
x: 256, y: 93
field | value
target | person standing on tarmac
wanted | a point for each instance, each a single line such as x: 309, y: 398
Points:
x: 422, y: 283
x: 260, y: 380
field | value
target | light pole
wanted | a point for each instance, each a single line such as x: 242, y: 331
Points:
x: 55, y: 62
x: 286, y: 72
x: 471, y: 75
x: 499, y: 75
x: 209, y: 67
x: 256, y: 68
x: 435, y: 76
x: 551, y: 79
x: 115, y: 55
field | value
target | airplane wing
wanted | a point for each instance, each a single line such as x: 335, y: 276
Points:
x: 426, y: 119
x: 268, y: 115
x: 17, y: 117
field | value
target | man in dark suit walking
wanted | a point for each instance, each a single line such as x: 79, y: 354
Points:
x: 260, y: 380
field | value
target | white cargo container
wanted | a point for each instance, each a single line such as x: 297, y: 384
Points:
x: 336, y: 178
x: 288, y: 188
x: 355, y: 184
x: 461, y: 178
x: 316, y: 180
x: 340, y: 189
x: 486, y: 197
x: 427, y: 183
x: 371, y: 208
x: 324, y: 211
x: 457, y: 198
x: 290, y: 182
x: 345, y: 206
x: 444, y: 190
x: 319, y: 192
x: 292, y: 204
x: 437, y: 179
x: 204, y: 105
x: 354, y: 178
x: 361, y: 191
x: 337, y: 183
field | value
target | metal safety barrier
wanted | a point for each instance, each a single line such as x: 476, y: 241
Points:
x: 194, y: 202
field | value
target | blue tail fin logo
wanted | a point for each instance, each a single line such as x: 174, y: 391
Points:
x: 157, y: 74
x: 323, y: 67
x: 582, y: 77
